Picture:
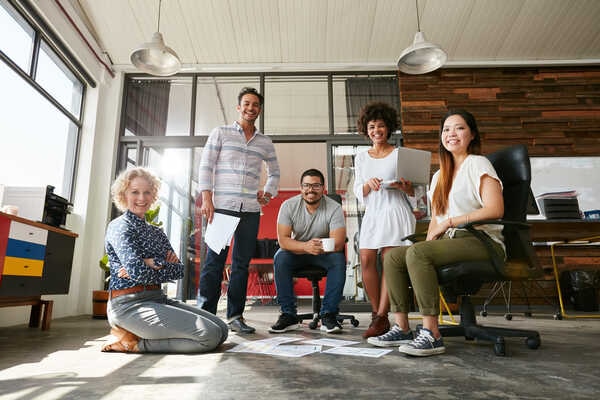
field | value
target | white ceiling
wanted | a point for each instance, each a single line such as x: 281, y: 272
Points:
x: 264, y: 35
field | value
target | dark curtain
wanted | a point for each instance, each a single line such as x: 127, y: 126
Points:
x: 147, y: 107
x: 360, y: 91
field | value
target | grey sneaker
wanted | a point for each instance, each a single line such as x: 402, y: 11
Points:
x: 424, y: 345
x: 285, y: 322
x: 330, y: 324
x: 393, y: 337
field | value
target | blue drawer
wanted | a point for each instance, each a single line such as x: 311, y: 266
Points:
x: 22, y: 249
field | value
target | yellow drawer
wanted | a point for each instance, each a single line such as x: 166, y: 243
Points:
x: 22, y: 266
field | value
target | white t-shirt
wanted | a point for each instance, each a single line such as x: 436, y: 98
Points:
x: 465, y: 194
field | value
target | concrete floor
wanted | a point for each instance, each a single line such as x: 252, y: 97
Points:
x: 66, y: 363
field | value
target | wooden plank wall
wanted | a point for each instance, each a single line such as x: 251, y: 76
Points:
x: 555, y: 111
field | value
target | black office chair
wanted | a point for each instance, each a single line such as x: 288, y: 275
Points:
x: 466, y: 278
x: 314, y: 274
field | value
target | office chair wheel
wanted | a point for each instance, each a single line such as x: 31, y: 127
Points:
x: 354, y: 322
x: 483, y: 313
x: 533, y: 342
x: 508, y: 317
x: 313, y: 325
x: 500, y: 347
x: 558, y: 316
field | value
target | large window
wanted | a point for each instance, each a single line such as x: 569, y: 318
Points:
x: 16, y: 36
x: 216, y: 100
x: 296, y: 105
x: 41, y: 108
x: 311, y: 119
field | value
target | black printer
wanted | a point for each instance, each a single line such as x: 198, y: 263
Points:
x: 56, y: 209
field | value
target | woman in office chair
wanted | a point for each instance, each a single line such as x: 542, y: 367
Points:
x: 465, y: 189
x: 388, y: 214
x: 142, y: 317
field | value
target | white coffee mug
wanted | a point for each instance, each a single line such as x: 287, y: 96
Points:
x: 328, y: 244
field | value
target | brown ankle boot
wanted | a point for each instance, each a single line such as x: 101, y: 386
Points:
x: 379, y: 326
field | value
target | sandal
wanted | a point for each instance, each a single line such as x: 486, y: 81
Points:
x: 119, y: 347
x: 126, y: 341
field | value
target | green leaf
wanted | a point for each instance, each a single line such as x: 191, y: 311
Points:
x: 104, y: 263
x: 152, y: 216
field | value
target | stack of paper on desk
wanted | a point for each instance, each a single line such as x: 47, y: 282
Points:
x: 559, y: 205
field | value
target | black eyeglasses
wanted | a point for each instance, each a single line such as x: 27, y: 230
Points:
x: 313, y: 186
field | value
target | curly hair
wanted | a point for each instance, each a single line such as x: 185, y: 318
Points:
x: 374, y: 111
x: 120, y: 185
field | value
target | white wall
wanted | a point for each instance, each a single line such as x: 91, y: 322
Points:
x: 91, y: 202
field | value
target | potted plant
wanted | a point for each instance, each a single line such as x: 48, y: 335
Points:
x: 100, y: 297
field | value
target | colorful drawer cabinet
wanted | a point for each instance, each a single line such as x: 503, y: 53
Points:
x: 23, y: 260
x: 35, y: 259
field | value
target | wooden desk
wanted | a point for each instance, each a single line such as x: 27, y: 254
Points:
x: 563, y: 230
x: 35, y: 259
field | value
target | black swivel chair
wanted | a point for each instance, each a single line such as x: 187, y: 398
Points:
x: 314, y: 274
x: 466, y: 278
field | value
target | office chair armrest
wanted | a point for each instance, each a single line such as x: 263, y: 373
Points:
x: 419, y: 237
x: 516, y: 224
x: 416, y: 237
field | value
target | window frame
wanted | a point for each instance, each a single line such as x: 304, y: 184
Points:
x: 57, y: 49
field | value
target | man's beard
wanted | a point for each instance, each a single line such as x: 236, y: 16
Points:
x: 309, y: 202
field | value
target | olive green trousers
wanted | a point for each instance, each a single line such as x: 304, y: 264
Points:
x: 416, y: 265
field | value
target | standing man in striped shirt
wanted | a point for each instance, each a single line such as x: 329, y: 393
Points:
x: 228, y: 180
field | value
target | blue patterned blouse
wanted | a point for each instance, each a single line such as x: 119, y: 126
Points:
x: 129, y: 239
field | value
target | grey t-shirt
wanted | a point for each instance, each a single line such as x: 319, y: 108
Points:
x: 328, y: 217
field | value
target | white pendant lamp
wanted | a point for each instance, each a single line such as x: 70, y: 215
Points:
x: 421, y: 57
x: 155, y: 57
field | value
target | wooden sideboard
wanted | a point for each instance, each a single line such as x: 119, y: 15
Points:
x: 35, y: 259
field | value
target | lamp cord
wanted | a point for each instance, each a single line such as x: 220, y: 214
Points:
x: 159, y: 7
x: 418, y: 19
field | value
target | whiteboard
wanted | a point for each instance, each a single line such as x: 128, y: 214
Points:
x: 556, y: 174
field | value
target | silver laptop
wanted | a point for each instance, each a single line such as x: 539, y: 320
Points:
x: 413, y: 165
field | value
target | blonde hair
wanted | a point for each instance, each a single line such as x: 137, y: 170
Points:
x: 120, y: 185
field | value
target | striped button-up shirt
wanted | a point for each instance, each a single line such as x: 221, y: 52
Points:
x: 231, y: 168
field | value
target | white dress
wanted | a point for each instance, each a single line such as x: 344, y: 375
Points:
x: 388, y: 215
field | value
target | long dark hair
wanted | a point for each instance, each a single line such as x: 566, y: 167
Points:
x: 439, y: 200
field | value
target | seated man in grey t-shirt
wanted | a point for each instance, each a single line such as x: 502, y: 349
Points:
x: 302, y: 222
